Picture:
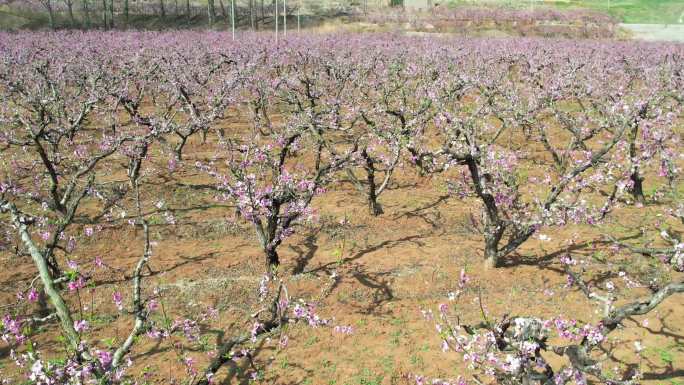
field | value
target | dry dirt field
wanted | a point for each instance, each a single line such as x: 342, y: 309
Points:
x: 374, y: 274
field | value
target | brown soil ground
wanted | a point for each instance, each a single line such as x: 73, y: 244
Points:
x: 389, y: 268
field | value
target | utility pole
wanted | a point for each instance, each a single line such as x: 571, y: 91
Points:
x: 232, y: 16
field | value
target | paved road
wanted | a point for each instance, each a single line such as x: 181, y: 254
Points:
x: 656, y: 32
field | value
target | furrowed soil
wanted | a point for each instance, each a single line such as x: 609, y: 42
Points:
x: 374, y: 274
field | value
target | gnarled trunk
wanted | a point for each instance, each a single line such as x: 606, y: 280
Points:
x: 491, y: 251
x: 635, y: 177
x: 211, y: 11
x: 61, y: 308
x: 373, y: 205
x: 266, y: 233
x: 637, y: 185
x: 178, y: 150
x: 493, y: 227
x: 272, y: 259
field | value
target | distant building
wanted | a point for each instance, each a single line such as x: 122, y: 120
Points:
x: 418, y: 4
x: 314, y: 6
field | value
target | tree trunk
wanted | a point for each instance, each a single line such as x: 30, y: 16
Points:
x: 187, y: 9
x: 493, y: 231
x: 223, y: 9
x: 374, y: 207
x: 211, y: 11
x: 51, y: 15
x: 104, y: 14
x: 418, y: 159
x: 251, y: 15
x: 47, y: 279
x: 125, y: 12
x: 223, y: 12
x: 162, y: 10
x: 86, y: 14
x: 266, y: 235
x: 637, y: 179
x: 70, y: 9
x: 111, y: 13
x: 493, y: 226
x: 491, y: 250
x: 272, y: 260
x: 638, y: 186
x: 179, y: 147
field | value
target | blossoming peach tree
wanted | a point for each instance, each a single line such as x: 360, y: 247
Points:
x: 527, y: 349
x: 538, y: 133
x: 520, y: 349
x: 54, y: 160
x: 273, y: 173
x: 482, y: 114
x: 78, y: 147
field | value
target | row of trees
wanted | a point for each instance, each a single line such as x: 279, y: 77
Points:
x: 109, y: 14
x: 534, y: 133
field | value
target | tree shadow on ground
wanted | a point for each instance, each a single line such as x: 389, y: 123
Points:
x: 629, y: 370
x: 380, y: 285
x: 305, y: 256
x: 378, y: 282
x: 546, y: 261
x: 151, y: 272
x: 238, y: 369
x: 665, y: 330
x: 387, y: 243
x: 666, y: 375
x: 423, y: 213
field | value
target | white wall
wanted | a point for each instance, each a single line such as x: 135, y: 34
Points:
x: 417, y: 4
